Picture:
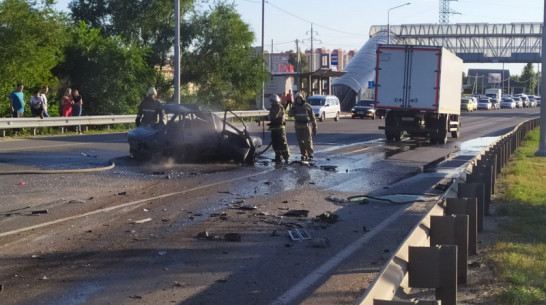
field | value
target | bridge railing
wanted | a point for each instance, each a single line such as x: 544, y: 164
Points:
x: 96, y: 120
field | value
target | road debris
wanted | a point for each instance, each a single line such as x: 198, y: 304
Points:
x: 122, y: 193
x: 361, y: 199
x: 36, y: 212
x: 135, y: 297
x: 336, y: 200
x: 299, y: 235
x: 21, y: 183
x: 328, y: 217
x: 297, y: 213
x: 161, y: 253
x: 142, y: 221
x: 331, y: 168
x: 77, y: 201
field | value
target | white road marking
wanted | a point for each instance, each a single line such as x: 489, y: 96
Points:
x: 105, y: 210
x: 333, y: 262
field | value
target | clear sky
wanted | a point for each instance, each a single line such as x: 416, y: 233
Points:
x: 346, y: 23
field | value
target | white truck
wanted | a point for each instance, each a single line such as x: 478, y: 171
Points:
x: 420, y: 88
x: 494, y: 93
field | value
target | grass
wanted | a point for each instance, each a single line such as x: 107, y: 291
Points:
x: 520, y: 256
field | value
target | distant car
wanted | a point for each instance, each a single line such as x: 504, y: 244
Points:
x: 366, y: 108
x: 508, y: 102
x: 495, y: 104
x: 524, y: 99
x: 519, y: 101
x: 325, y: 106
x: 193, y: 133
x: 467, y: 104
x: 537, y: 99
x: 484, y: 103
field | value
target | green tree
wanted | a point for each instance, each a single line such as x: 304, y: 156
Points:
x: 111, y: 74
x: 221, y: 61
x: 528, y: 75
x: 32, y: 39
x: 149, y: 23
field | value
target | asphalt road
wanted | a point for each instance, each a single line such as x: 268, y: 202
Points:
x: 166, y: 233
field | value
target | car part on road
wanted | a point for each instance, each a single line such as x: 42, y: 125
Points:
x: 299, y: 235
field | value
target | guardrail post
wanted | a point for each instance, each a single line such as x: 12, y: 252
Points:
x: 452, y: 230
x: 467, y: 206
x: 482, y: 174
x: 435, y: 267
x: 473, y: 190
x: 420, y: 302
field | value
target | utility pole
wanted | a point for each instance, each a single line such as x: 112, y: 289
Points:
x: 312, y: 50
x: 298, y: 64
x: 271, y: 58
x: 542, y: 138
x: 177, y: 52
x: 263, y: 52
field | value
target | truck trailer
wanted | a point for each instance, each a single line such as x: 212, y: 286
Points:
x: 420, y: 88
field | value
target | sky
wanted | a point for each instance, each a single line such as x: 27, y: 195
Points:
x: 346, y: 23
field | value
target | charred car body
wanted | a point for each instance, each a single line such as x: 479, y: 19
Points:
x: 193, y: 133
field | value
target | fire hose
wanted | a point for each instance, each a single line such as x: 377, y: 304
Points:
x: 263, y: 138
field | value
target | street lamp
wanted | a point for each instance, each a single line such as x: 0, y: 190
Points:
x: 389, y: 23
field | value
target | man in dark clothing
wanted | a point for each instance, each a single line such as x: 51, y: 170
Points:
x: 278, y: 132
x: 149, y: 110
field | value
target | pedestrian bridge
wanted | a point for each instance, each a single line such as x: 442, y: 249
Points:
x: 473, y: 42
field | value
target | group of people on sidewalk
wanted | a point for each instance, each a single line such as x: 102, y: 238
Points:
x: 71, y: 103
x: 305, y: 126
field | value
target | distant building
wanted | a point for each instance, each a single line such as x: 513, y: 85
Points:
x: 322, y: 58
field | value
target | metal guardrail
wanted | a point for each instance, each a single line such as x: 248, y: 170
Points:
x: 441, y: 265
x: 13, y: 123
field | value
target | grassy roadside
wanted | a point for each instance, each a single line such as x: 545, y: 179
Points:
x: 520, y: 254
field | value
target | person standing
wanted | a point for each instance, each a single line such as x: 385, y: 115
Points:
x: 43, y: 96
x: 77, y: 107
x: 289, y: 99
x: 304, y: 116
x: 36, y: 105
x: 149, y: 110
x: 17, y: 104
x: 278, y: 131
x: 66, y: 103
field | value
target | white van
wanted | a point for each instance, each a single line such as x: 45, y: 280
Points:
x: 325, y: 106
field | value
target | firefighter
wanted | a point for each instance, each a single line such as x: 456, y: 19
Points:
x: 277, y: 128
x: 149, y: 110
x: 304, y: 121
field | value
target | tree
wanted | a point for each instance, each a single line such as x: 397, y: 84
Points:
x: 293, y: 60
x: 220, y: 60
x: 111, y: 74
x: 32, y: 39
x: 148, y: 23
x: 528, y: 75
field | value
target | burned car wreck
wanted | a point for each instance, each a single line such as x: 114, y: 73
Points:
x: 193, y: 134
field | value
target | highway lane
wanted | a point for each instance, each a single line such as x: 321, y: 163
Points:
x: 110, y: 256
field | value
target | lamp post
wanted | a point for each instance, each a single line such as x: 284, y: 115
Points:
x: 542, y: 138
x: 389, y: 23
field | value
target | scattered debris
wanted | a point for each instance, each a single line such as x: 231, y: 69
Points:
x: 364, y: 229
x: 243, y: 206
x: 222, y: 281
x: 328, y: 217
x: 297, y: 213
x: 142, y: 221
x: 40, y: 212
x: 122, y: 193
x: 1, y: 287
x: 77, y: 201
x: 361, y: 199
x: 135, y: 297
x: 336, y: 200
x: 86, y: 155
x: 297, y: 234
x: 36, y: 256
x: 235, y: 237
x: 177, y: 284
x: 331, y: 168
x: 21, y: 183
x: 45, y: 278
x: 320, y: 243
x: 158, y: 173
x: 161, y: 253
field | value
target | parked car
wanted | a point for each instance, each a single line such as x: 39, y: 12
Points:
x: 508, y: 102
x: 325, y: 106
x: 495, y: 104
x: 519, y: 101
x: 193, y: 133
x: 365, y: 108
x: 537, y: 99
x: 484, y: 103
x: 467, y: 104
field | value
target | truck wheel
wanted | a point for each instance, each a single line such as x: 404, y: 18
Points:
x: 456, y: 134
x: 337, y: 117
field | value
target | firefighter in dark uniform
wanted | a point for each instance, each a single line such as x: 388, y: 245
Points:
x: 277, y: 128
x: 149, y: 110
x: 305, y: 122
